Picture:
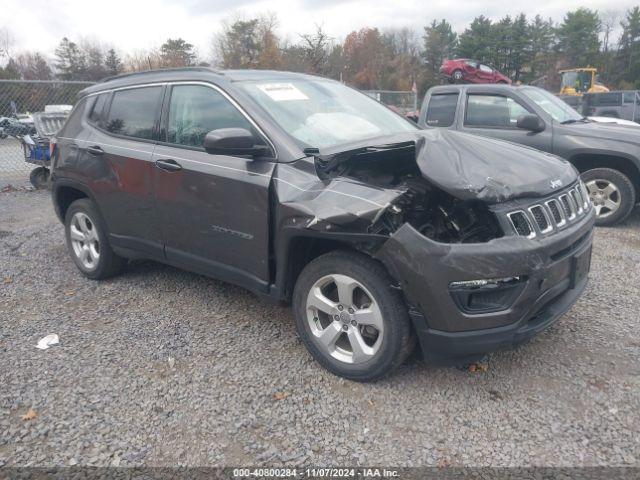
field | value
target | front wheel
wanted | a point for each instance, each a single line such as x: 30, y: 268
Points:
x: 457, y: 76
x: 612, y: 194
x: 349, y: 318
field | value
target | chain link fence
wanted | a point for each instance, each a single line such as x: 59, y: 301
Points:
x: 404, y: 102
x: 19, y: 100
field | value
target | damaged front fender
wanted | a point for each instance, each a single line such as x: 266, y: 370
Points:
x: 340, y: 203
x: 426, y: 269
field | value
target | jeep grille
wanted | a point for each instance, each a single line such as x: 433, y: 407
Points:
x: 552, y: 214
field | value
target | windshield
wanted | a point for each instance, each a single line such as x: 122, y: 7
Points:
x: 580, y: 81
x: 551, y: 104
x: 323, y: 113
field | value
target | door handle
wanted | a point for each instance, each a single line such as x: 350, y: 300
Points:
x: 95, y: 150
x: 169, y: 165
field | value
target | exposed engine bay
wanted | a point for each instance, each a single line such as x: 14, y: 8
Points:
x: 430, y: 210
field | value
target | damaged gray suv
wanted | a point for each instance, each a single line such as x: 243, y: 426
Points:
x: 303, y: 190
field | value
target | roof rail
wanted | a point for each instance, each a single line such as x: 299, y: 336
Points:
x: 157, y: 70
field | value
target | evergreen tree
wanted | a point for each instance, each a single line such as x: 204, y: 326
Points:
x: 112, y: 63
x: 578, y: 37
x: 540, y: 44
x: 177, y: 53
x: 519, y: 43
x: 440, y: 43
x: 10, y: 71
x: 239, y: 45
x: 70, y: 61
x: 629, y: 53
x: 476, y: 42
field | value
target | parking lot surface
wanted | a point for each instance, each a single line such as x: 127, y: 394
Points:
x: 163, y: 367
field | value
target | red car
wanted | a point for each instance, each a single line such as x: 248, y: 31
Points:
x: 471, y: 71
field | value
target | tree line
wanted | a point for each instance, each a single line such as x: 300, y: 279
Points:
x: 527, y: 49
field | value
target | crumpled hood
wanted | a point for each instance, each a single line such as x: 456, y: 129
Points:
x: 469, y: 167
x: 473, y: 167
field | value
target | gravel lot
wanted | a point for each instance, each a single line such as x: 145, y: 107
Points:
x: 164, y: 367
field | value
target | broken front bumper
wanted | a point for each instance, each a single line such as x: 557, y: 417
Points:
x: 545, y: 277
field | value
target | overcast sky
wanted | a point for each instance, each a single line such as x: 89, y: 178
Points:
x: 140, y: 24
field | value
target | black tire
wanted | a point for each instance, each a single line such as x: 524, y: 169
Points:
x: 398, y: 341
x: 457, y: 76
x: 39, y: 177
x: 109, y: 263
x: 625, y: 188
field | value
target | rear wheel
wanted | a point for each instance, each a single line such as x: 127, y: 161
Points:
x: 39, y: 177
x: 349, y: 318
x: 611, y: 193
x: 457, y: 76
x: 87, y: 241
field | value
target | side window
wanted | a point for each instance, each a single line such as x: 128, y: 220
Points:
x: 442, y: 110
x: 486, y: 68
x: 73, y: 126
x: 134, y: 112
x: 97, y: 108
x: 629, y: 97
x: 492, y: 111
x: 195, y: 110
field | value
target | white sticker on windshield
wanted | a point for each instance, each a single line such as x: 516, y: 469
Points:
x: 281, y: 92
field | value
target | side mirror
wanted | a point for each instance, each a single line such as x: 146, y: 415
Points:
x: 235, y: 142
x: 530, y: 122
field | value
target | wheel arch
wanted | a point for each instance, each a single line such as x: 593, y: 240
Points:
x: 65, y: 193
x: 625, y: 165
x: 299, y: 247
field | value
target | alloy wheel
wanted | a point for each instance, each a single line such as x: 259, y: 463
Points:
x: 605, y: 197
x: 344, y: 318
x: 84, y: 240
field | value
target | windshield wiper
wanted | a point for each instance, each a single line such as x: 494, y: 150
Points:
x: 574, y: 120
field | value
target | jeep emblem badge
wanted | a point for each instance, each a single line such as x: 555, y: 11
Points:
x: 556, y: 183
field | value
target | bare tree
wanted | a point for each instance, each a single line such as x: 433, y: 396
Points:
x: 140, y: 60
x: 7, y: 41
x: 317, y: 49
x: 609, y: 20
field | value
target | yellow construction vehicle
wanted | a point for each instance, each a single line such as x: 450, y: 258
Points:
x: 576, y: 81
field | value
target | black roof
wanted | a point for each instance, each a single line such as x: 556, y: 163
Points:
x: 190, y: 74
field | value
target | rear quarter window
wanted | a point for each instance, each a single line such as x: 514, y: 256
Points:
x: 97, y: 108
x: 134, y: 112
x: 73, y: 125
x: 441, y: 110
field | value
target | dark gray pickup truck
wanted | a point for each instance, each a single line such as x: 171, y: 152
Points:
x: 607, y: 156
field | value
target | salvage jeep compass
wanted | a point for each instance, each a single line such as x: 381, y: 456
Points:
x: 303, y: 190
